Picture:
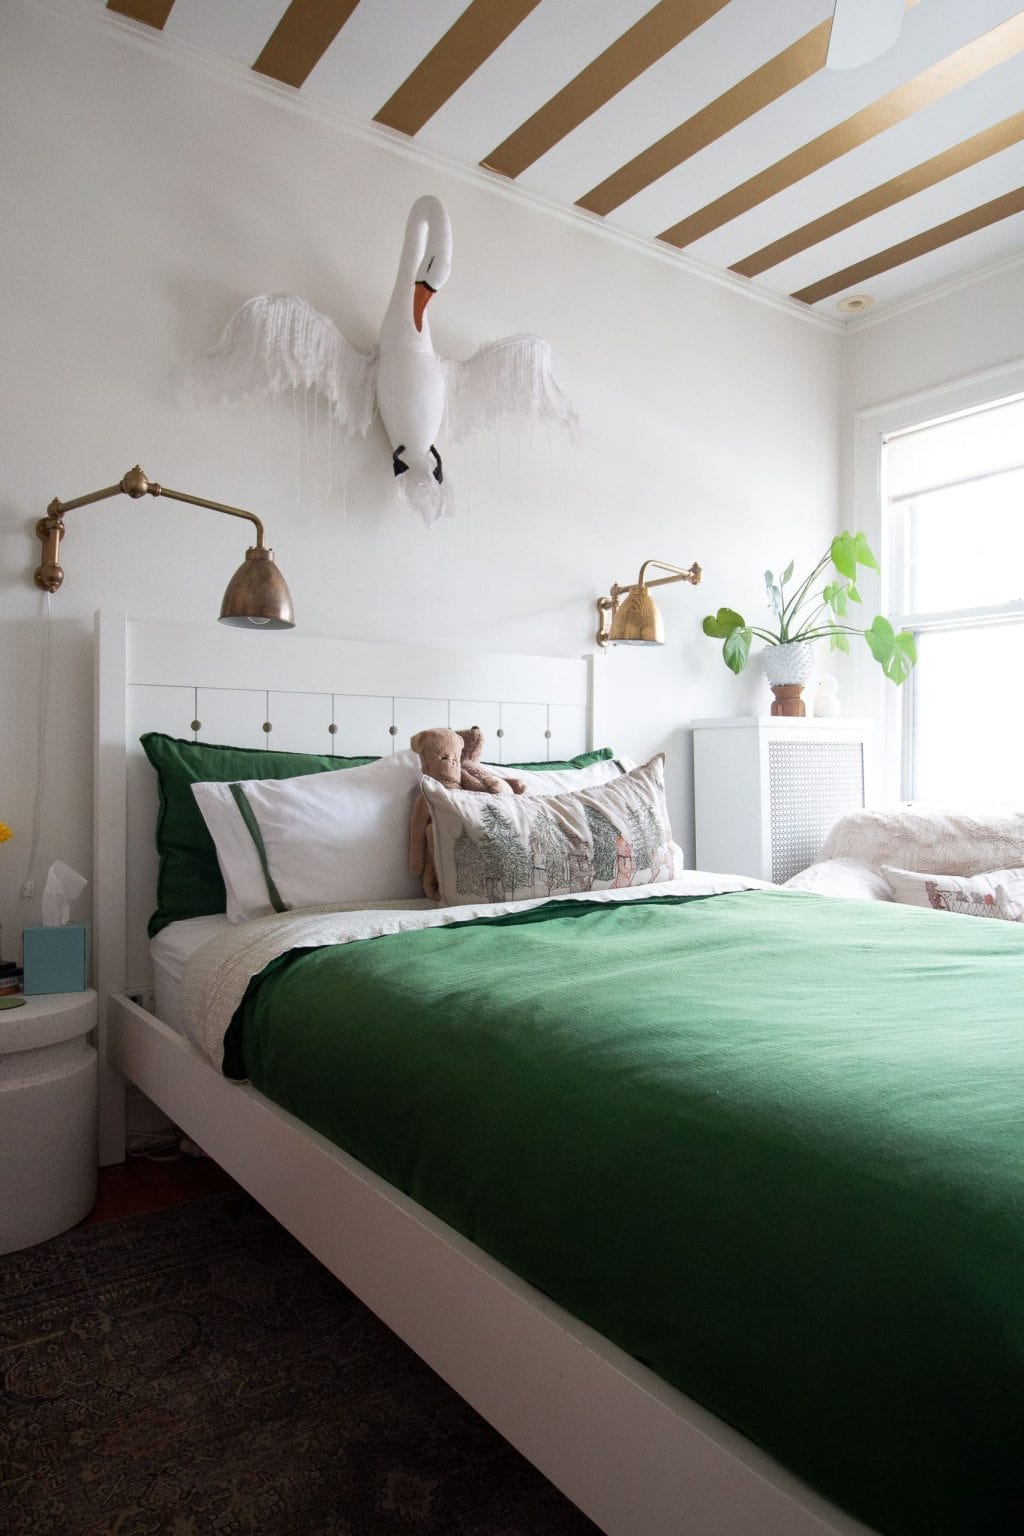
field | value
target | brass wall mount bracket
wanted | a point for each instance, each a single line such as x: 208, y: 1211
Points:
x: 134, y: 483
x: 257, y: 594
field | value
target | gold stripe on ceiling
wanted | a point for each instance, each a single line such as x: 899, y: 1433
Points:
x: 918, y: 245
x: 958, y: 158
x: 153, y: 12
x: 483, y: 26
x: 622, y: 62
x: 301, y: 38
x: 787, y: 69
x: 966, y: 64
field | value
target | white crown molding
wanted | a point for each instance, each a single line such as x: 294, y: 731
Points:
x: 939, y: 290
x: 94, y: 15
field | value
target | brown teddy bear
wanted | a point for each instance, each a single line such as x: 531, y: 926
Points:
x: 453, y: 759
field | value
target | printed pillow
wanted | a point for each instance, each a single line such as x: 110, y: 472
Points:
x: 315, y: 840
x: 513, y: 847
x: 999, y: 894
x: 189, y: 882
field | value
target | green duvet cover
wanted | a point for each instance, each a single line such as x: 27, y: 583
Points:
x: 771, y: 1144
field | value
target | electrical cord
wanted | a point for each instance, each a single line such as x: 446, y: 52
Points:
x: 28, y: 884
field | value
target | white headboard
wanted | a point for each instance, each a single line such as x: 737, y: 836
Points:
x: 290, y: 692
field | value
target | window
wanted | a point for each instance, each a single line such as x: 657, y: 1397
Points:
x: 954, y: 494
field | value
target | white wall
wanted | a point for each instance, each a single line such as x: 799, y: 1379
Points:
x: 144, y: 198
x: 963, y: 332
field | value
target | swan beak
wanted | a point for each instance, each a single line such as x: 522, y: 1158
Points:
x: 422, y: 294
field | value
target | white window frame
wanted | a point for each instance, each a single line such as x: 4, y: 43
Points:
x: 894, y: 706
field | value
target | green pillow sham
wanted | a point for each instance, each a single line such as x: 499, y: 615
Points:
x: 189, y: 881
x: 583, y: 760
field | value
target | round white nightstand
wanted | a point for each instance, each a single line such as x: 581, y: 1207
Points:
x: 47, y: 1117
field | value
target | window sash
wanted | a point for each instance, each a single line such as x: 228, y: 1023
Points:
x: 907, y: 477
x: 911, y: 776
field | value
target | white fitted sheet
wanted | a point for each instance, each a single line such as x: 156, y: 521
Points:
x: 171, y: 950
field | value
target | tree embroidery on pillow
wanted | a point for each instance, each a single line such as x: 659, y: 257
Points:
x: 500, y: 861
x: 607, y: 837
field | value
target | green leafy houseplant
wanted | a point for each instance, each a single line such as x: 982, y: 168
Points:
x: 816, y: 610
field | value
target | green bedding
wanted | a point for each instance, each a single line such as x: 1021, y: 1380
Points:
x: 770, y: 1144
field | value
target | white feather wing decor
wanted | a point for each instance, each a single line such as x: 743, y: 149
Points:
x: 278, y: 342
x: 503, y: 378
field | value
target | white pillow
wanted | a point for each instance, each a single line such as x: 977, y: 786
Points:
x: 841, y: 877
x: 327, y: 837
x: 560, y: 781
x: 999, y: 894
x: 513, y: 847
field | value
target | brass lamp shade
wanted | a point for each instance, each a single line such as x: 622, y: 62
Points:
x: 258, y: 594
x: 636, y: 620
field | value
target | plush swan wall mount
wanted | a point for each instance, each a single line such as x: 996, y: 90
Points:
x: 278, y: 342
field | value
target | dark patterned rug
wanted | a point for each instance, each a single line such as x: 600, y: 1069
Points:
x: 195, y: 1372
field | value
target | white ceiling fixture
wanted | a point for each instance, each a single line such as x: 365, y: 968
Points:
x: 862, y: 30
x: 855, y: 303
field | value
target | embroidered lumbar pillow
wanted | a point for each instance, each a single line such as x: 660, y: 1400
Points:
x: 511, y: 848
x: 999, y: 894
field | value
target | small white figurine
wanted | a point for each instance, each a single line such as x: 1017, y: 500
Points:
x: 826, y: 697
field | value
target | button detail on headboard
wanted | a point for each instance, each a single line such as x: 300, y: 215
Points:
x: 267, y: 727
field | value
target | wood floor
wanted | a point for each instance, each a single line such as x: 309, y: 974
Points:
x: 146, y: 1184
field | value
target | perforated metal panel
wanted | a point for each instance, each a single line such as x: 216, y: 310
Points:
x: 811, y: 784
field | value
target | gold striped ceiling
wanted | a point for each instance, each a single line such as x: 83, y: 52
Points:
x: 712, y: 126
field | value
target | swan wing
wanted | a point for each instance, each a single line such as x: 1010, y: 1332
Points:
x: 277, y: 342
x: 508, y: 377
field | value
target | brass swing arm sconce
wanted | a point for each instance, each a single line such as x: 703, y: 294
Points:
x: 629, y: 615
x: 256, y: 594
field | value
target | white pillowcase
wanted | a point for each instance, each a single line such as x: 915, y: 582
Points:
x: 999, y: 894
x: 563, y: 781
x: 329, y: 837
x: 842, y: 878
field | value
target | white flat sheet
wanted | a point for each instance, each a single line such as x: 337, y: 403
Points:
x: 170, y: 951
x: 217, y: 975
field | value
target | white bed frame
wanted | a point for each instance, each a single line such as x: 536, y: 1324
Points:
x: 638, y: 1457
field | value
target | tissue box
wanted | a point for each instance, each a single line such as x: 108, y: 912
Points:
x: 56, y: 958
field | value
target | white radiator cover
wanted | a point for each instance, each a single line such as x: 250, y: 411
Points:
x: 767, y: 790
x: 811, y: 784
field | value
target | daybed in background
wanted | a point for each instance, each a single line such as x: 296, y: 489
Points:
x: 928, y: 839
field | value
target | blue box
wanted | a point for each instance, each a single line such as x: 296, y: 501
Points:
x: 56, y: 958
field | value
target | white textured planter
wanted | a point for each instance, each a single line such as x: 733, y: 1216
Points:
x: 792, y: 663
